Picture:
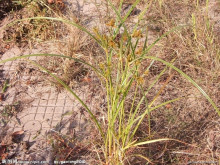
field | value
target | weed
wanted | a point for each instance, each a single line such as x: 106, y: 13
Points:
x: 7, y: 6
x: 33, y: 30
x: 9, y: 111
x: 5, y: 86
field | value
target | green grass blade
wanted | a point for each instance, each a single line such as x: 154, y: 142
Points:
x: 53, y: 55
x: 151, y: 141
x: 185, y: 76
x: 141, y: 117
x: 159, y: 140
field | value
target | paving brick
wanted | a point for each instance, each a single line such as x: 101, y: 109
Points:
x: 32, y: 93
x: 50, y: 109
x: 41, y: 109
x: 62, y: 95
x: 58, y: 110
x: 45, y: 96
x: 43, y: 134
x: 48, y: 116
x: 32, y: 126
x: 43, y: 102
x: 67, y: 109
x: 60, y: 103
x: 69, y: 102
x: 51, y: 102
x: 22, y: 114
x: 32, y: 109
x: 39, y: 117
x: 53, y: 96
x: 57, y: 116
x: 35, y: 102
x: 27, y: 118
x: 46, y: 124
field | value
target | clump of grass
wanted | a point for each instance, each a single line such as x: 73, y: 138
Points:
x: 9, y: 111
x: 33, y: 30
x: 7, y: 6
x: 123, y: 78
x: 76, y: 45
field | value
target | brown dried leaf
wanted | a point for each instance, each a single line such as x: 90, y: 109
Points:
x: 18, y: 133
x: 1, y: 96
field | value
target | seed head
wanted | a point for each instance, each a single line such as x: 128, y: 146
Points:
x: 111, y: 23
x: 137, y: 34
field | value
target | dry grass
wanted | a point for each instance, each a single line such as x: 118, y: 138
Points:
x: 23, y: 33
x: 196, y: 52
x: 191, y: 119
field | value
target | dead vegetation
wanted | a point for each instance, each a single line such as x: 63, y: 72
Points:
x: 23, y: 33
